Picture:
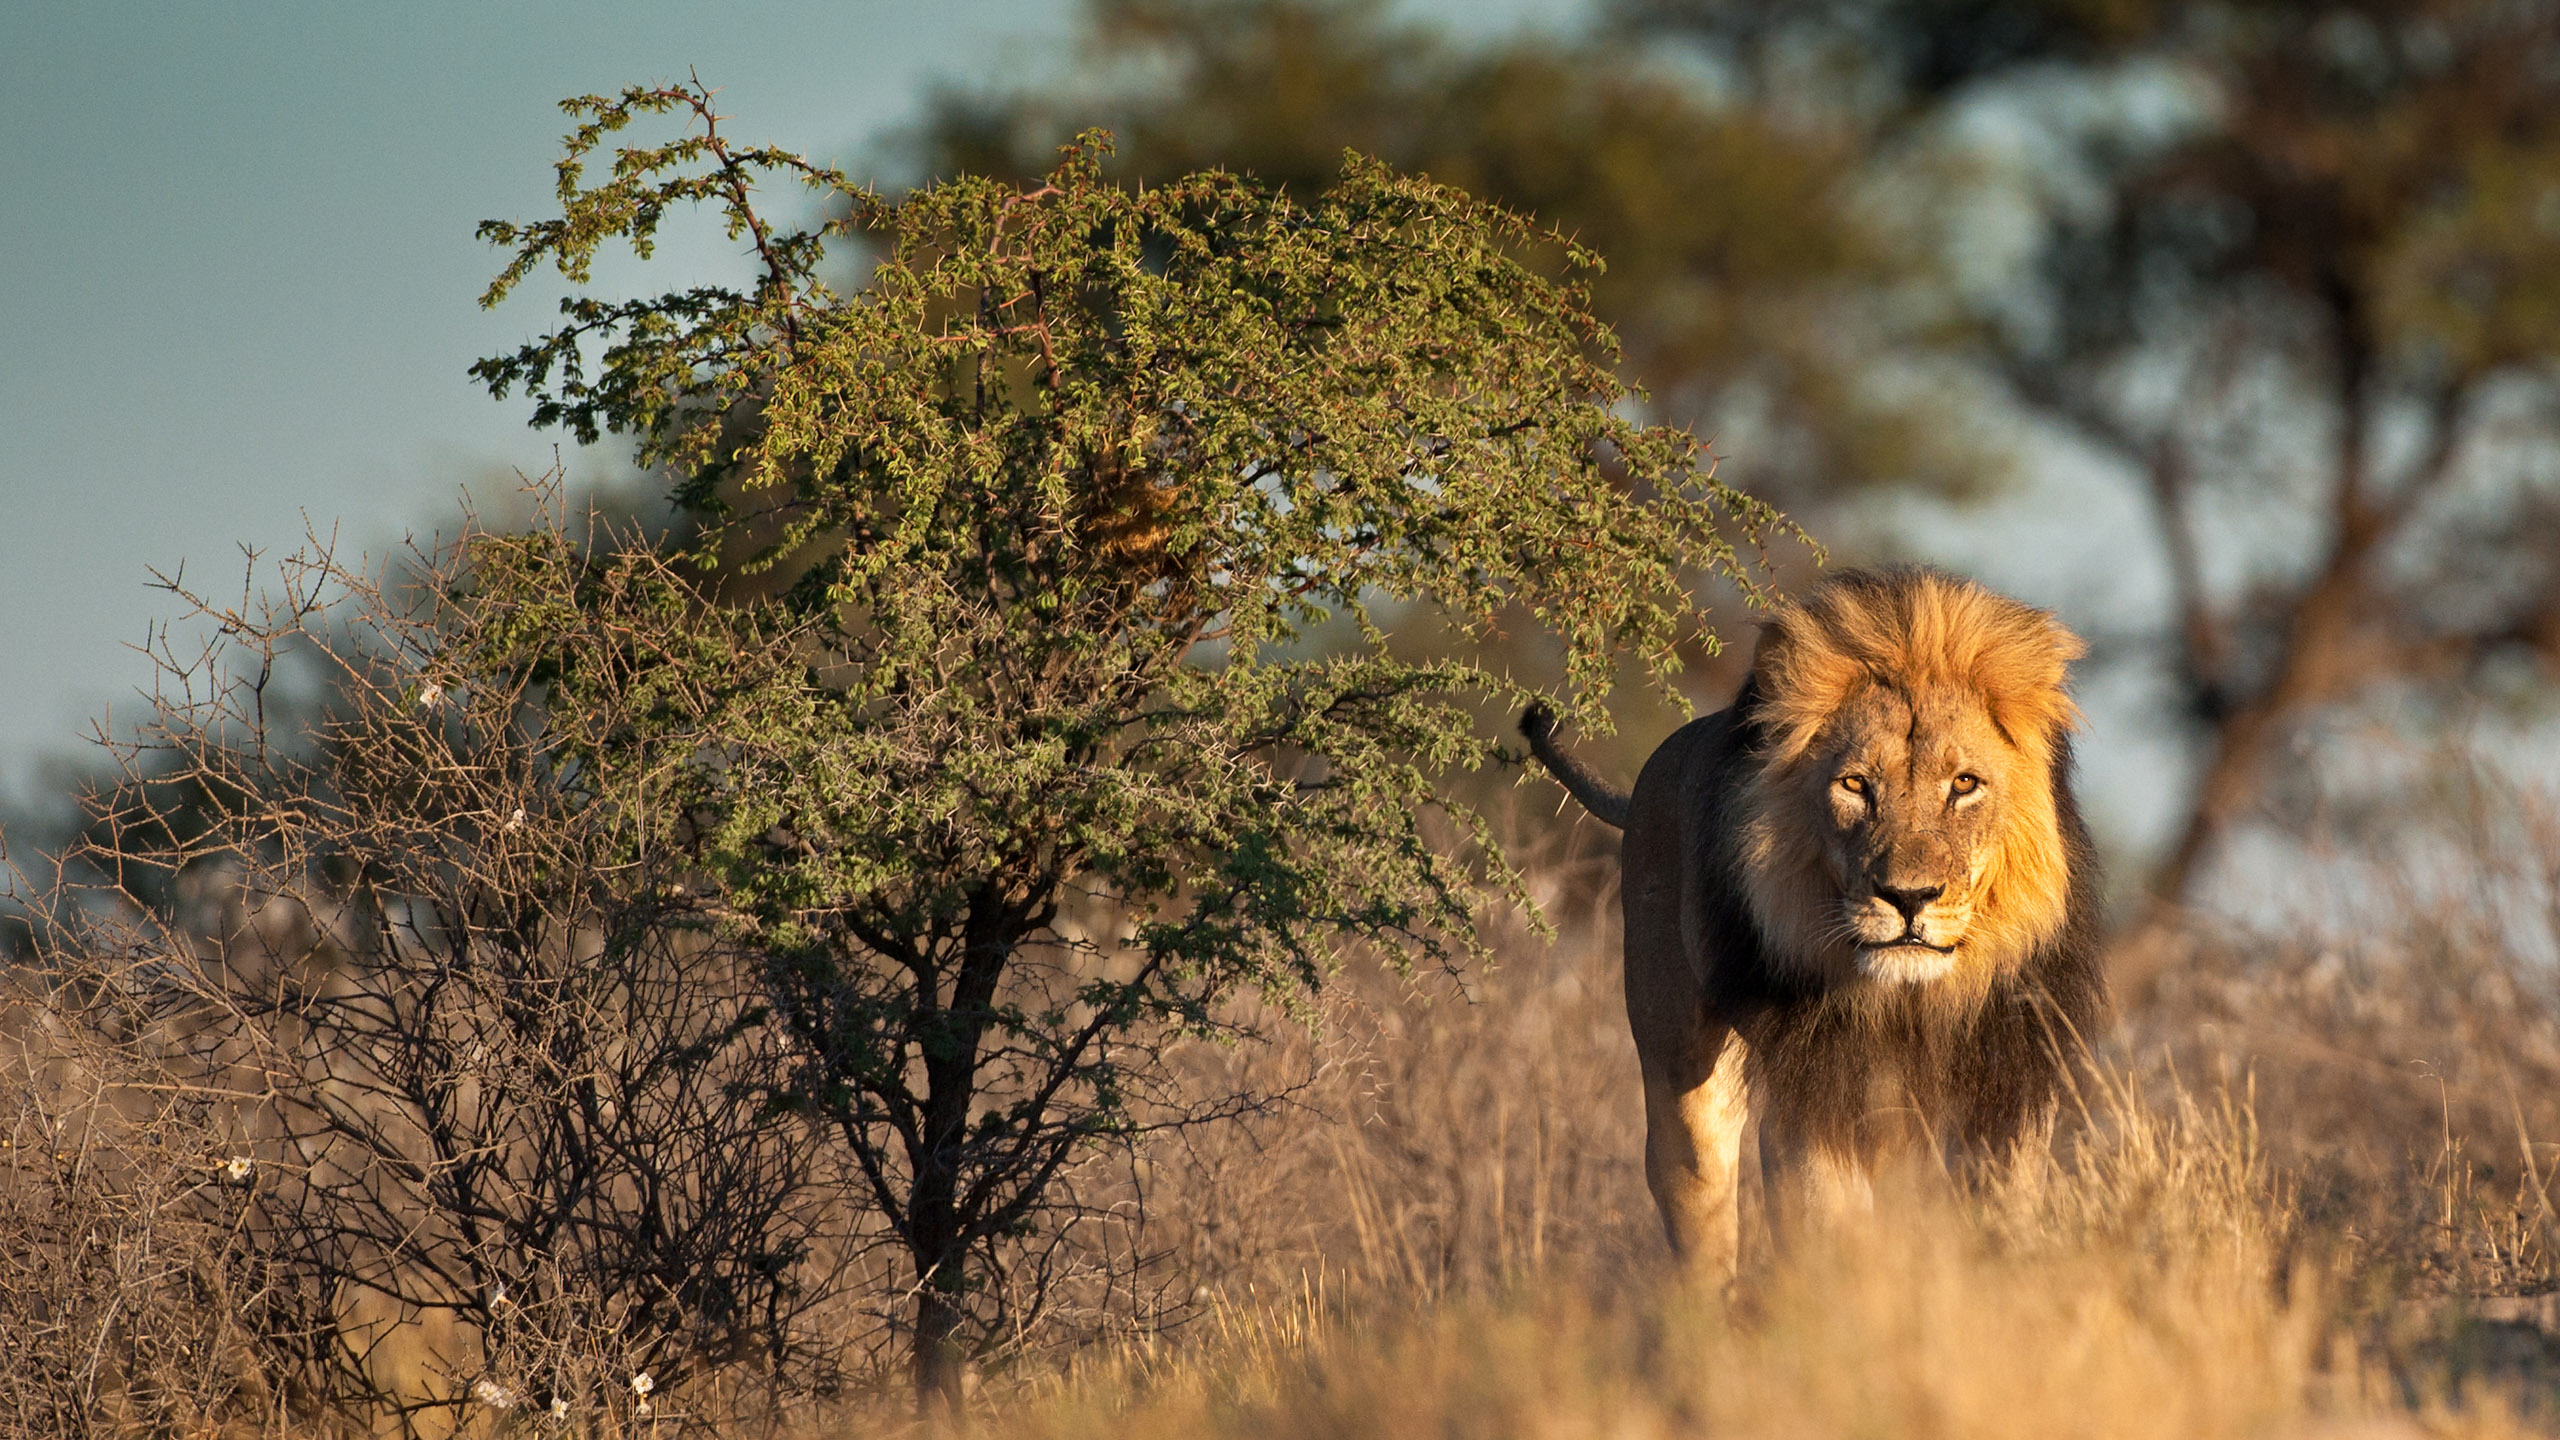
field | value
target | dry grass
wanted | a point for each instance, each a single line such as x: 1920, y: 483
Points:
x: 2308, y: 1195
x: 2132, y: 1289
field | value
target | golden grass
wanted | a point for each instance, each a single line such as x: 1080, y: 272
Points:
x: 2304, y: 1196
x: 2148, y: 1280
x: 2287, y: 1206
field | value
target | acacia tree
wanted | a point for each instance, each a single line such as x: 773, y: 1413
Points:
x: 1057, y: 502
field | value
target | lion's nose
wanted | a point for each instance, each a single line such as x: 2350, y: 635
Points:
x: 1910, y: 901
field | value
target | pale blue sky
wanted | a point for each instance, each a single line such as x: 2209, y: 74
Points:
x: 237, y: 272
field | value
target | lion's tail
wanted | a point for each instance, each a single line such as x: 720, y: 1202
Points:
x: 1607, y: 803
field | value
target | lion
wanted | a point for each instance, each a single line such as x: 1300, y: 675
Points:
x: 1861, y: 896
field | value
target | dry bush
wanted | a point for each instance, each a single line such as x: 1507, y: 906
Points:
x: 499, y: 1099
x: 132, y: 1297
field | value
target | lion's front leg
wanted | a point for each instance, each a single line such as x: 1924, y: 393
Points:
x: 1695, y: 1108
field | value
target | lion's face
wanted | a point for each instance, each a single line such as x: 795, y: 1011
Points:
x: 1903, y: 826
x: 1912, y: 789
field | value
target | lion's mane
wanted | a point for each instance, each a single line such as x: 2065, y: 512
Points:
x: 1985, y: 1048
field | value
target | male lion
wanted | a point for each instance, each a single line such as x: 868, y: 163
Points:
x: 1861, y: 896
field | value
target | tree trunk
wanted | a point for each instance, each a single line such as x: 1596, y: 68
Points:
x: 939, y: 1230
x: 939, y: 1362
x: 2311, y: 667
x: 935, y: 1238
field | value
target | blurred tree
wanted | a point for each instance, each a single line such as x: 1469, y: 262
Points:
x: 1881, y: 61
x: 2299, y: 271
x: 1751, y: 291
x: 2292, y: 265
x: 1048, y: 775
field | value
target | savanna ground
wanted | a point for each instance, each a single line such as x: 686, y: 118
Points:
x: 2304, y: 1192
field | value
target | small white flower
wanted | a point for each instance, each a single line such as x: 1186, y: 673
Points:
x: 430, y: 695
x: 492, y: 1394
x: 239, y: 1169
x: 559, y: 1407
x: 516, y: 821
x: 641, y: 1384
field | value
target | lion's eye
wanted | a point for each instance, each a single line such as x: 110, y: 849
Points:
x: 1854, y: 784
x: 1966, y: 784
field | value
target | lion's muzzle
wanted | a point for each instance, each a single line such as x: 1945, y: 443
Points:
x: 1908, y: 932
